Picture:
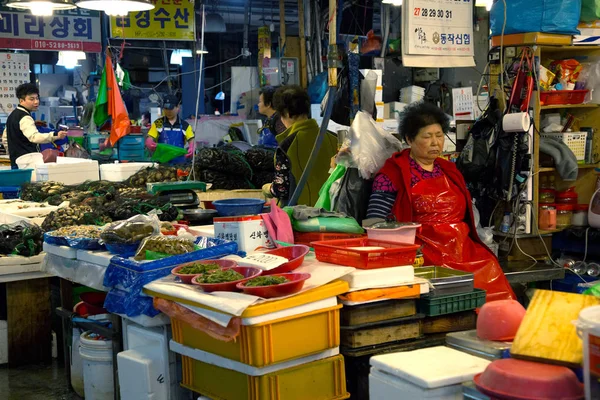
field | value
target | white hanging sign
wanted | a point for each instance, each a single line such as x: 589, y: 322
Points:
x: 438, y: 27
x: 462, y: 103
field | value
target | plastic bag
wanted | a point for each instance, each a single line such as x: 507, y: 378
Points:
x: 548, y: 16
x: 170, y: 245
x: 133, y: 230
x: 75, y: 150
x: 370, y: 146
x: 590, y: 10
x: 327, y: 225
x: 197, y: 321
x: 21, y: 238
x: 367, y: 93
x: 354, y: 194
x: 324, y: 200
x: 83, y: 237
x: 566, y: 71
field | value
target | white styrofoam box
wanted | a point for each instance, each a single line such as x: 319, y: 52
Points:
x: 74, y: 160
x: 140, y: 371
x: 449, y: 146
x: 368, y: 278
x: 379, y: 94
x: 386, y: 386
x: 586, y: 39
x: 3, y: 342
x: 121, y: 172
x: 95, y: 257
x: 432, y: 367
x: 390, y: 125
x: 149, y: 322
x: 249, y: 232
x: 61, y: 251
x: 69, y: 173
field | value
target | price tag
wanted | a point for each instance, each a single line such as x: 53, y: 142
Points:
x: 266, y: 262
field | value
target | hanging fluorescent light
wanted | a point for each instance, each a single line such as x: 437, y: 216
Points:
x: 396, y: 3
x: 116, y: 8
x: 202, y: 50
x: 178, y: 54
x: 484, y: 3
x: 41, y: 8
x: 70, y: 59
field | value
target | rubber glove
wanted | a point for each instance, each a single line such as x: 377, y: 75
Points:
x: 150, y: 144
x: 191, y: 149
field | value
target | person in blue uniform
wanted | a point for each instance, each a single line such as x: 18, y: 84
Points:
x: 171, y: 129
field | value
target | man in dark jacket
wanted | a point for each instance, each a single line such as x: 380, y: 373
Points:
x: 21, y: 134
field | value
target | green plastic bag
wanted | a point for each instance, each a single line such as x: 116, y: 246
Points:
x: 590, y: 10
x: 324, y: 200
x: 166, y: 152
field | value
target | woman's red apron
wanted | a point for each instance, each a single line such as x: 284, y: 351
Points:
x: 440, y: 207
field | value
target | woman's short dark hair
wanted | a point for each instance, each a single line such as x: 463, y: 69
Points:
x: 26, y: 89
x: 291, y: 101
x: 267, y: 93
x: 419, y: 115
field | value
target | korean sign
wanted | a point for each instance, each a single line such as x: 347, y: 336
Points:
x: 75, y: 30
x: 169, y: 20
x: 439, y: 27
x: 14, y: 70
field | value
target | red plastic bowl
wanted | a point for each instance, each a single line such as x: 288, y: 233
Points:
x: 500, y: 320
x: 187, y: 278
x: 511, y: 379
x: 294, y: 253
x: 94, y: 302
x: 248, y: 272
x: 295, y: 284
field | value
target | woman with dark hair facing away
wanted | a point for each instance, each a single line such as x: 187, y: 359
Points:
x: 416, y: 185
x: 295, y: 146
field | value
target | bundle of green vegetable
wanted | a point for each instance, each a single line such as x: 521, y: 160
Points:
x: 266, y: 281
x: 198, y: 268
x: 220, y: 276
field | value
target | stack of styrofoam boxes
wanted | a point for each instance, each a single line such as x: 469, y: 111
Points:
x: 378, y: 93
x: 69, y: 171
x: 120, y: 172
x: 3, y: 342
x: 412, y: 94
x: 286, y: 349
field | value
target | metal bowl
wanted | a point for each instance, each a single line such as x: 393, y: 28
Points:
x: 199, y: 216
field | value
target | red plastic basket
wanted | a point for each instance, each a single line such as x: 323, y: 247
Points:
x: 342, y: 252
x: 306, y: 238
x: 557, y: 97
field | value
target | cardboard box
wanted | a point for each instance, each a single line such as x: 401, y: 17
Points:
x: 249, y: 231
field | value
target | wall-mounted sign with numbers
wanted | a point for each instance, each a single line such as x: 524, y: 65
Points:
x: 169, y: 20
x: 438, y: 27
x: 76, y: 30
x: 14, y: 70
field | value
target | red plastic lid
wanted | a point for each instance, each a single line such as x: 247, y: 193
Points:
x: 564, y: 207
x: 513, y: 379
x: 582, y: 207
x: 569, y: 193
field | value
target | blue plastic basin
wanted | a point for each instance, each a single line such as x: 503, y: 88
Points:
x: 15, y: 177
x: 235, y: 207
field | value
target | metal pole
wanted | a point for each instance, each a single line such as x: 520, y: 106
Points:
x: 332, y: 77
x: 281, y: 28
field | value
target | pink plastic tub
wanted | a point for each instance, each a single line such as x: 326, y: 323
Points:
x: 394, y: 232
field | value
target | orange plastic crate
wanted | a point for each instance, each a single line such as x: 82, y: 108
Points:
x: 306, y: 238
x: 558, y: 97
x: 345, y: 252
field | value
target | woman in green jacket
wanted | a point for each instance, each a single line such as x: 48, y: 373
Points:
x: 295, y: 145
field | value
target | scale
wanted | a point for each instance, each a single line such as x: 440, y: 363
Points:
x: 180, y: 194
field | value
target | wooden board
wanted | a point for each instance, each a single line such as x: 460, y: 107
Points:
x: 376, y: 312
x: 463, y: 321
x: 29, y: 322
x: 547, y: 333
x: 380, y: 333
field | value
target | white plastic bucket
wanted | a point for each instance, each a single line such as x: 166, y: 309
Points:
x: 97, y: 361
x: 588, y: 329
x: 76, y: 364
x: 29, y: 161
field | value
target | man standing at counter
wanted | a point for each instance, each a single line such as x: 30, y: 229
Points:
x: 171, y: 129
x: 21, y: 136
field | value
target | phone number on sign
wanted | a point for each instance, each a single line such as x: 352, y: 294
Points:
x: 55, y: 44
x: 432, y: 13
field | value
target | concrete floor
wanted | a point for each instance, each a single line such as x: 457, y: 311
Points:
x: 39, y: 382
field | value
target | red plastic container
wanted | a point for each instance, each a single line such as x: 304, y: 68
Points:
x: 556, y: 97
x: 306, y: 238
x: 295, y: 284
x: 348, y: 253
x: 247, y: 272
x: 568, y: 196
x: 512, y: 379
x: 500, y: 320
x: 187, y: 278
x: 94, y: 302
x: 294, y: 253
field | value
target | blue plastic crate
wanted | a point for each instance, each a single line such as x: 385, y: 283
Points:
x: 15, y: 177
x: 9, y: 192
x: 131, y: 141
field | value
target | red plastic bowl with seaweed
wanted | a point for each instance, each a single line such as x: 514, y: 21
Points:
x: 187, y: 278
x: 247, y: 272
x: 294, y: 285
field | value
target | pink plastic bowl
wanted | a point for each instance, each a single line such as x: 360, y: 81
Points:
x: 403, y: 234
x: 500, y: 320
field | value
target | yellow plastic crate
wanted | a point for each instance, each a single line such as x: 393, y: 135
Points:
x: 270, y: 342
x: 319, y: 380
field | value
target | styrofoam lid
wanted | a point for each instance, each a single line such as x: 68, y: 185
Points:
x: 590, y: 316
x: 432, y: 367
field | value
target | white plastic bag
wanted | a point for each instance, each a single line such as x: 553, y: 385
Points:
x: 370, y: 145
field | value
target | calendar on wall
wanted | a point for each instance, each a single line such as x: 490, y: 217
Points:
x: 462, y: 103
x: 14, y: 71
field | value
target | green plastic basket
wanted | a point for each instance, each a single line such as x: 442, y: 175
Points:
x: 78, y: 140
x: 440, y: 305
x: 166, y: 152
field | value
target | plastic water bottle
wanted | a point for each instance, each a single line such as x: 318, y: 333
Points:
x: 505, y: 226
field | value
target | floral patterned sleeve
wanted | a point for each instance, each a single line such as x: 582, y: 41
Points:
x: 281, y: 182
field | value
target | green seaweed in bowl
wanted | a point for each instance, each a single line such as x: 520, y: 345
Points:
x: 220, y: 276
x: 198, y: 268
x: 266, y: 281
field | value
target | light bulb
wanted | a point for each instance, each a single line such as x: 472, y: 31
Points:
x: 41, y: 8
x: 115, y: 12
